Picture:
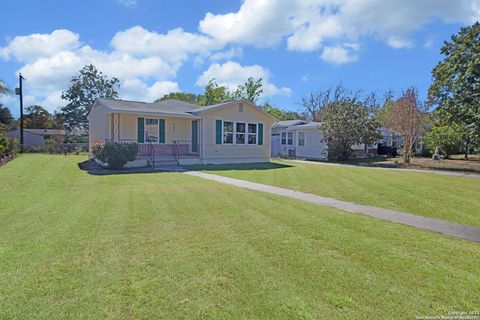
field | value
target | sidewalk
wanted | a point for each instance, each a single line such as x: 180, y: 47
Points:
x: 441, y: 226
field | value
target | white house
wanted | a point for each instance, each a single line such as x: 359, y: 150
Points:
x: 298, y: 139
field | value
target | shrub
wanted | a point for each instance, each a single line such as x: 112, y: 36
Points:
x: 116, y: 155
x: 7, y: 146
x: 447, y: 137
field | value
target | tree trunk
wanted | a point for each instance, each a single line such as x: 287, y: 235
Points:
x: 466, y: 150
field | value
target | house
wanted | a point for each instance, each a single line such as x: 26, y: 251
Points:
x: 173, y: 130
x: 298, y: 139
x: 391, y: 139
x: 37, y: 137
x: 304, y: 139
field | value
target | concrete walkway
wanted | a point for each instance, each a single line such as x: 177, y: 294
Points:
x: 443, y: 172
x: 448, y: 228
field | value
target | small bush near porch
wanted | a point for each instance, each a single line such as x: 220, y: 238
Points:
x: 116, y: 155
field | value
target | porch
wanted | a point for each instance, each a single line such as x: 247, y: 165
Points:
x: 160, y: 140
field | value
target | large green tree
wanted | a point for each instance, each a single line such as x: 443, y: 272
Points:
x: 85, y: 87
x: 251, y: 90
x: 447, y: 136
x: 346, y: 118
x: 215, y: 94
x: 279, y: 113
x: 184, y: 96
x: 456, y: 84
x: 38, y: 117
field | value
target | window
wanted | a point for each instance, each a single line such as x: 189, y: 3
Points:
x: 301, y: 139
x: 287, y: 138
x: 252, y: 133
x: 290, y: 138
x: 227, y: 132
x: 239, y: 133
x: 151, y: 130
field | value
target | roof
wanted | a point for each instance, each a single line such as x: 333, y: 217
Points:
x: 309, y: 125
x: 170, y: 107
x: 167, y: 107
x: 288, y: 123
x: 44, y: 132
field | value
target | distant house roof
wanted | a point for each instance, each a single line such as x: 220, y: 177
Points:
x: 170, y: 107
x: 288, y: 123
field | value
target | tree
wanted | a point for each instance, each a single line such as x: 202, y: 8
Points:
x: 184, y: 96
x: 38, y: 117
x: 6, y: 117
x: 455, y: 89
x: 215, y: 94
x: 346, y: 119
x: 407, y: 117
x: 279, y: 113
x: 316, y: 101
x: 250, y: 90
x: 4, y: 88
x: 85, y: 87
x: 447, y: 137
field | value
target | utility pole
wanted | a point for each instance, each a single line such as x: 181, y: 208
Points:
x: 19, y: 92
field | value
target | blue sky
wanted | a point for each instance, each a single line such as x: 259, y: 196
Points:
x: 159, y: 46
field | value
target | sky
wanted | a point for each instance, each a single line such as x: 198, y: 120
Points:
x: 296, y: 47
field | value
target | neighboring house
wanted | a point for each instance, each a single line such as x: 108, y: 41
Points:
x: 37, y: 137
x: 392, y: 139
x: 231, y: 132
x: 298, y: 139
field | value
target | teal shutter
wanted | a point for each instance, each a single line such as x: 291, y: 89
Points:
x: 260, y: 133
x: 140, y: 130
x: 161, y: 131
x: 218, y: 132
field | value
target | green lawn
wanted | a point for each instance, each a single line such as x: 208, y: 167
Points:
x: 170, y: 246
x: 456, y: 199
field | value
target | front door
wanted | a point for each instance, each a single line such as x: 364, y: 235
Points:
x: 194, y: 135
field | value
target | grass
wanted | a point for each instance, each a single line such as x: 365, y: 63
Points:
x: 170, y: 246
x: 455, y: 199
x: 454, y: 163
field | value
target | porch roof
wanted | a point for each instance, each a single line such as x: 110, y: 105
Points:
x: 172, y: 107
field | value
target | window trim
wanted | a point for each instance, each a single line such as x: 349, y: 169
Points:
x: 158, y: 129
x: 234, y: 132
x: 298, y: 138
x: 287, y: 132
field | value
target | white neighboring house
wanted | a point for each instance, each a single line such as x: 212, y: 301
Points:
x: 298, y: 139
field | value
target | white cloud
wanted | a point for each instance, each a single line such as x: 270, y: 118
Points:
x: 258, y: 22
x: 235, y: 52
x: 128, y: 3
x: 135, y: 89
x: 231, y: 74
x: 338, y: 55
x: 147, y: 59
x: 35, y: 46
x: 399, y: 43
x: 174, y: 46
x: 307, y: 24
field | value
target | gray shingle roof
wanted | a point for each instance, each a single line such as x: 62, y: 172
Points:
x: 171, y: 106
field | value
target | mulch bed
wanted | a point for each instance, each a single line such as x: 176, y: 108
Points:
x: 94, y: 168
x: 5, y: 160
